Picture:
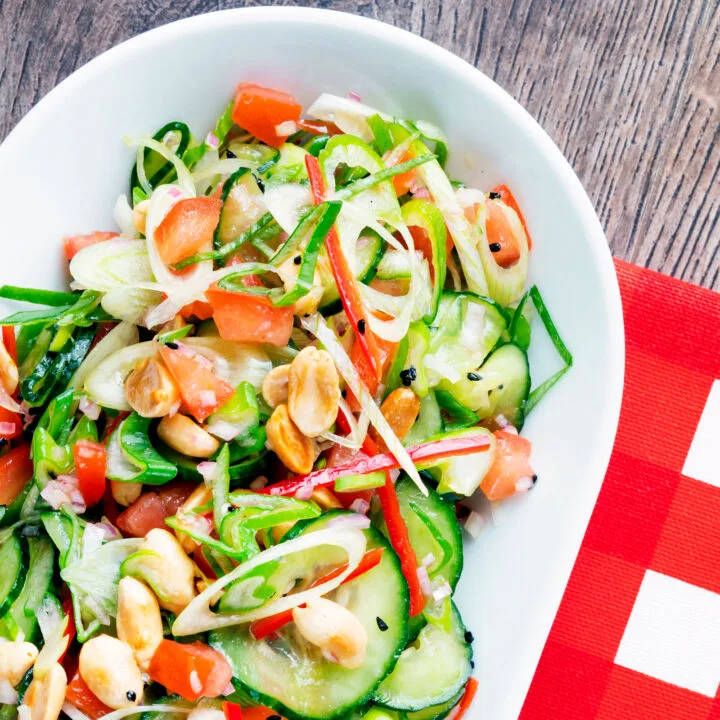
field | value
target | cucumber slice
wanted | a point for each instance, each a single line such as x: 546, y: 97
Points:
x: 13, y: 561
x: 433, y: 528
x: 462, y: 475
x: 431, y: 671
x: 429, y: 421
x: 467, y: 327
x: 436, y: 712
x: 291, y: 676
x: 499, y: 387
x: 21, y: 615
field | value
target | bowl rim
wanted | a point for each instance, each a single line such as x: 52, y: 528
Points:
x: 599, y: 453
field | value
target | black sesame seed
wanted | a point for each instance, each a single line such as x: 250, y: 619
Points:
x: 494, y: 195
x: 297, y: 259
x: 3, y: 442
x: 469, y: 637
x: 131, y: 695
x: 361, y: 327
x: 173, y: 345
x: 495, y: 247
x: 500, y: 387
x: 344, y: 393
x: 230, y: 154
x: 534, y: 479
x: 473, y: 376
x: 274, y: 717
x: 407, y: 376
x: 472, y: 664
x: 260, y: 183
x: 381, y: 624
x: 306, y: 315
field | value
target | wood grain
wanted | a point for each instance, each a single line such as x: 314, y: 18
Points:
x: 628, y: 89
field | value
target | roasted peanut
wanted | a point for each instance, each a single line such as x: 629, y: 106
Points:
x: 166, y: 568
x: 108, y: 667
x: 280, y: 529
x: 325, y: 499
x: 125, y: 493
x: 334, y: 629
x: 309, y: 303
x: 295, y: 450
x: 16, y: 658
x: 9, y: 375
x: 139, y: 215
x: 201, y: 495
x: 275, y: 386
x: 313, y: 391
x: 150, y: 390
x: 45, y: 696
x: 400, y: 408
x: 139, y: 623
x: 186, y: 436
x: 177, y: 323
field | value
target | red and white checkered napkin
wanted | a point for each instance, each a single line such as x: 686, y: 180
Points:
x: 637, y: 636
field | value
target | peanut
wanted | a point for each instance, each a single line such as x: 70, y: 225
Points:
x: 200, y: 495
x: 108, y: 667
x: 9, y: 375
x: 139, y: 623
x: 313, y: 391
x: 45, y: 696
x: 16, y: 658
x: 125, y: 493
x: 186, y: 436
x: 400, y: 408
x: 150, y: 390
x: 334, y: 629
x: 294, y: 449
x: 275, y: 386
x: 325, y: 499
x: 139, y: 215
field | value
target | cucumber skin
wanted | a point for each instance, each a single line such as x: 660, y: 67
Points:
x: 19, y: 582
x: 262, y: 699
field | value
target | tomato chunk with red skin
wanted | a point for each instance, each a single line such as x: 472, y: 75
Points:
x: 16, y: 470
x: 243, y: 317
x: 201, y: 390
x: 509, y: 199
x: 500, y: 236
x: 192, y: 670
x: 90, y: 463
x: 82, y: 697
x: 149, y: 511
x: 512, y: 462
x: 259, y: 110
x: 8, y: 418
x: 73, y: 244
x: 188, y: 228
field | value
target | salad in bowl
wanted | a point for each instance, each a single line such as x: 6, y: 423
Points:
x: 238, y: 454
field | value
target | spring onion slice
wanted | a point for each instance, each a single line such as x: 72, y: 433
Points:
x: 36, y: 296
x: 185, y: 180
x: 317, y: 326
x: 198, y: 617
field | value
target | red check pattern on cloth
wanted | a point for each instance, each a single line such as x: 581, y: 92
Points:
x: 637, y: 635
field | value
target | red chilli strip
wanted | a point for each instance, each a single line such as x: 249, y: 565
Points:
x: 9, y: 341
x: 466, y: 699
x: 232, y: 711
x: 425, y: 452
x: 346, y: 282
x: 267, y: 626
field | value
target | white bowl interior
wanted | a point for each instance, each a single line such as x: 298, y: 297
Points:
x: 64, y: 166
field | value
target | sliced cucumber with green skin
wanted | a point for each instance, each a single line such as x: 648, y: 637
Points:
x: 394, y: 265
x: 432, y: 527
x: 22, y: 614
x: 463, y: 474
x: 13, y: 561
x: 499, y: 387
x: 467, y: 327
x: 429, y: 421
x: 291, y: 676
x: 435, y: 712
x: 431, y: 671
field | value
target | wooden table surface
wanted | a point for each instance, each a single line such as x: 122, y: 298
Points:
x: 628, y: 89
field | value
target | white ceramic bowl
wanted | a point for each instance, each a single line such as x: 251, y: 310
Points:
x: 63, y: 167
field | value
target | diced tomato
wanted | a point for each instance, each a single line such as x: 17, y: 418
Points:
x: 8, y: 418
x: 232, y: 711
x: 10, y: 341
x: 512, y: 462
x: 75, y: 243
x: 500, y: 237
x: 90, y: 463
x: 404, y: 182
x: 16, y: 469
x: 191, y: 670
x: 422, y: 243
x: 509, y: 199
x: 201, y: 390
x: 199, y: 309
x: 150, y: 509
x: 188, y: 228
x: 242, y: 317
x: 82, y: 697
x: 259, y: 110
